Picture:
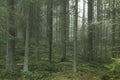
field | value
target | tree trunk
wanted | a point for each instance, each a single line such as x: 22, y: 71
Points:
x: 26, y: 48
x: 63, y: 29
x: 113, y: 27
x: 67, y: 20
x: 50, y: 22
x: 27, y: 35
x: 90, y: 30
x: 75, y: 37
x: 11, y: 40
x: 83, y: 50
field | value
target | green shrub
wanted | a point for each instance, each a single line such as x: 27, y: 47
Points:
x: 113, y: 70
x: 4, y: 74
x: 36, y: 75
x: 44, y: 66
x: 64, y: 66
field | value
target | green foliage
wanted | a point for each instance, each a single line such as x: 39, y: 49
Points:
x: 4, y: 74
x: 43, y: 66
x: 27, y: 75
x: 36, y: 75
x: 91, y: 69
x: 113, y: 70
x: 64, y: 66
x: 51, y: 67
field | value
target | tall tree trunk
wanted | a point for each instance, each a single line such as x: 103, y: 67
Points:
x: 113, y: 27
x: 11, y: 41
x: 50, y: 22
x: 27, y: 35
x: 83, y: 51
x: 38, y: 33
x: 90, y: 30
x: 63, y: 29
x: 67, y: 20
x: 25, y: 68
x: 75, y: 37
x: 99, y: 26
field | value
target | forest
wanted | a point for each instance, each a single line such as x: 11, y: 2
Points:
x: 59, y: 40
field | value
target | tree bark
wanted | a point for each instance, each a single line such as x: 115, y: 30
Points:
x: 113, y: 27
x: 90, y: 30
x: 12, y: 34
x: 25, y: 68
x: 63, y: 29
x: 50, y: 28
x: 75, y: 37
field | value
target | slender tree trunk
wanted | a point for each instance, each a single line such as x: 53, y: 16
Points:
x: 25, y: 68
x: 113, y: 27
x: 38, y: 33
x: 67, y: 21
x: 83, y: 32
x: 50, y: 22
x: 90, y: 30
x: 63, y: 29
x: 11, y: 41
x: 27, y: 35
x: 75, y: 37
x: 99, y: 26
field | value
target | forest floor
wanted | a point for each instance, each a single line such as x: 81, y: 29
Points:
x: 88, y: 71
x: 74, y: 76
x: 64, y: 70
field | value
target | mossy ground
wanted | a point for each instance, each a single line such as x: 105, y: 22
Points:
x: 57, y: 70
